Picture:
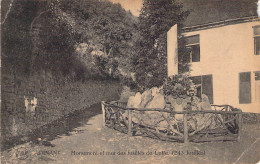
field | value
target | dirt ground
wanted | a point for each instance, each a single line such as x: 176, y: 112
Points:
x: 91, y: 143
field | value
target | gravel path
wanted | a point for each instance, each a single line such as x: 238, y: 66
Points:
x: 91, y: 143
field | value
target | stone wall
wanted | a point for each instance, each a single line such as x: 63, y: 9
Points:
x: 54, y: 100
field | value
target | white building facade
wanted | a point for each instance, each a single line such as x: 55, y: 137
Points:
x: 225, y: 61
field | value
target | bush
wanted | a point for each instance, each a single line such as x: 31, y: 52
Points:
x: 179, y: 86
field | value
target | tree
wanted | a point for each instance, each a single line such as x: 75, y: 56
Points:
x: 156, y: 18
x: 16, y: 41
x: 108, y: 33
x: 52, y: 35
x: 48, y: 34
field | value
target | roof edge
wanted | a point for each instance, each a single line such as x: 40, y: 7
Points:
x: 221, y: 23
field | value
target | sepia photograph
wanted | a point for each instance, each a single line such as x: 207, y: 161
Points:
x: 130, y: 81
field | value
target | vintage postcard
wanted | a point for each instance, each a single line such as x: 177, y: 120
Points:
x: 130, y: 81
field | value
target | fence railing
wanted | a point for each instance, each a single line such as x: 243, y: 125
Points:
x: 226, y: 119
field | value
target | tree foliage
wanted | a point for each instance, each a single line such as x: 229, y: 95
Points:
x: 16, y: 41
x: 108, y: 32
x: 178, y: 86
x: 78, y: 38
x: 88, y: 38
x: 156, y: 18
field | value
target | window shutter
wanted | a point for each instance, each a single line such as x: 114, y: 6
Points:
x: 245, y: 88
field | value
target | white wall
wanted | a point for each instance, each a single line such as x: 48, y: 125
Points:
x: 225, y: 52
x: 172, y: 51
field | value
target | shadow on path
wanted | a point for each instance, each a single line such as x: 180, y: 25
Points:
x: 53, y: 130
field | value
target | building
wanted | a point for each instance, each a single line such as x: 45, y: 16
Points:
x: 225, y: 60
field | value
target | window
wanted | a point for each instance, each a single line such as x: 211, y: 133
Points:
x: 193, y: 44
x: 257, y: 86
x: 204, y: 85
x: 257, y: 39
x: 245, y: 87
x: 197, y: 81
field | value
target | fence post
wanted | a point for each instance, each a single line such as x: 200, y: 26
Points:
x: 226, y: 108
x: 103, y: 114
x: 240, y: 121
x: 130, y: 133
x: 185, y: 129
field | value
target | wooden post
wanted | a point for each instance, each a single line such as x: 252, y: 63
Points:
x: 240, y: 121
x: 103, y: 114
x: 185, y: 129
x: 130, y: 133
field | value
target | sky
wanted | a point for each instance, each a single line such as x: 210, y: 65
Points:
x: 133, y: 5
